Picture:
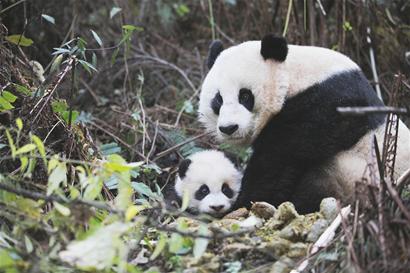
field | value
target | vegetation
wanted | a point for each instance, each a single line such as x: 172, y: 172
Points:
x: 98, y: 104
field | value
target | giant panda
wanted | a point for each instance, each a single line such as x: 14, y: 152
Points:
x: 282, y: 100
x: 211, y: 182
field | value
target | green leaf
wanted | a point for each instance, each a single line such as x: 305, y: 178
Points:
x: 10, y: 97
x: 57, y: 176
x: 176, y: 242
x: 66, y: 116
x: 110, y: 148
x: 49, y: 18
x: 11, y: 144
x: 185, y: 200
x: 59, y: 106
x: 59, y: 50
x: 129, y: 27
x: 181, y: 9
x: 19, y: 124
x: 114, y: 11
x: 25, y: 149
x: 28, y: 243
x: 114, y: 56
x: 94, y: 60
x: 9, y: 260
x: 97, y: 38
x: 40, y: 146
x: 162, y: 241
x: 142, y: 189
x: 188, y: 107
x: 93, y: 189
x: 22, y: 89
x: 87, y: 66
x: 56, y: 63
x: 201, y: 244
x: 63, y: 210
x: 19, y: 39
x: 5, y: 105
x: 24, y: 163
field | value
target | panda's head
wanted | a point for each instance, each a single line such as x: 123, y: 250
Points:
x: 211, y: 181
x: 246, y: 84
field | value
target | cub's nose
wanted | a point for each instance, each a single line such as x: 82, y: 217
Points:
x: 217, y: 208
x: 228, y: 130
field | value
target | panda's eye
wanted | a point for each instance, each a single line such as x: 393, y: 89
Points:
x: 216, y: 103
x: 246, y: 98
x: 202, y: 192
x: 227, y: 190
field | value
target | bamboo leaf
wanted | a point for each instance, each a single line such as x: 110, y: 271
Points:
x: 114, y: 11
x: 97, y: 38
x: 25, y: 149
x: 49, y: 18
x: 10, y: 97
x: 19, y: 39
x: 5, y: 105
x: 63, y: 210
x: 162, y: 242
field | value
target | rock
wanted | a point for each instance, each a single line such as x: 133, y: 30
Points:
x: 284, y: 265
x: 297, y: 250
x: 294, y: 231
x: 317, y: 229
x: 263, y: 210
x: 239, y: 213
x: 286, y: 212
x: 278, y: 246
x: 328, y: 207
x: 274, y: 224
x: 251, y: 222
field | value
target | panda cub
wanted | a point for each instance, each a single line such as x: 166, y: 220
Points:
x: 211, y: 181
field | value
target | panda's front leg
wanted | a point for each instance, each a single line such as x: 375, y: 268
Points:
x: 271, y: 181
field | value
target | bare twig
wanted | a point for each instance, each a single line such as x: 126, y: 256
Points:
x: 325, y: 238
x: 167, y: 151
x: 56, y: 198
x: 373, y: 66
x: 47, y: 96
x: 361, y: 111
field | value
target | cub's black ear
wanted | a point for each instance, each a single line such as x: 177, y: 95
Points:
x: 183, y: 167
x: 215, y: 48
x: 274, y: 47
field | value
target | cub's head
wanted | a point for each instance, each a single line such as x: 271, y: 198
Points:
x: 245, y: 85
x: 211, y: 181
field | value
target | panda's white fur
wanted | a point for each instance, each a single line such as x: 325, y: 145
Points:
x: 271, y: 83
x: 211, y: 168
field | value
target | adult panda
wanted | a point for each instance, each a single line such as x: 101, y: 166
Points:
x: 282, y: 99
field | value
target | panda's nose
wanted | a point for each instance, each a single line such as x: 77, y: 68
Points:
x: 217, y: 208
x: 228, y: 130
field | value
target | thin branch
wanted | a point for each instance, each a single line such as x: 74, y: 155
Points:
x: 51, y: 91
x: 50, y: 198
x: 167, y: 151
x: 361, y: 111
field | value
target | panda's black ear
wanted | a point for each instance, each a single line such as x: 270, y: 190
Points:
x: 274, y: 47
x: 215, y: 49
x: 183, y: 167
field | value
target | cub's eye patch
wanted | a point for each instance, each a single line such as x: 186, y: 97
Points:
x: 216, y: 103
x: 202, y: 192
x: 227, y: 190
x: 246, y: 98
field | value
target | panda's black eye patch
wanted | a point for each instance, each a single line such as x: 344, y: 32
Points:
x: 246, y: 98
x: 202, y: 192
x: 227, y: 190
x: 216, y: 103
